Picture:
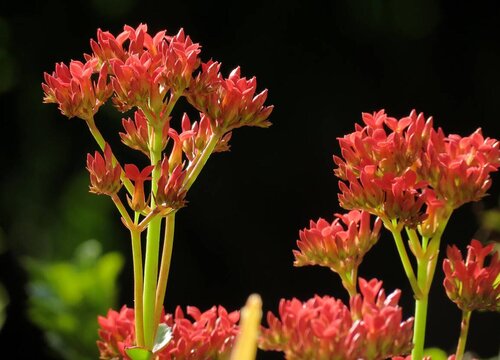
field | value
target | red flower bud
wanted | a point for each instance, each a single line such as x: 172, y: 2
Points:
x: 104, y: 176
x: 472, y: 284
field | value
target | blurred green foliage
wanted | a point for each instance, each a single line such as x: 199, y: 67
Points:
x: 66, y: 296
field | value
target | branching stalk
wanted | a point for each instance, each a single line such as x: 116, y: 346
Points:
x: 165, y: 265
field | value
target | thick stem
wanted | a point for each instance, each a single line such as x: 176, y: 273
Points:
x: 196, y: 167
x: 138, y: 286
x: 165, y: 265
x: 349, y: 281
x: 464, y: 330
x: 152, y: 248
x: 101, y: 142
x: 403, y: 255
x: 421, y: 305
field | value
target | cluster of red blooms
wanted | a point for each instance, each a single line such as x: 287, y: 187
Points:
x: 392, y: 168
x: 150, y: 73
x: 340, y: 245
x: 210, y: 335
x: 323, y: 328
x: 472, y: 284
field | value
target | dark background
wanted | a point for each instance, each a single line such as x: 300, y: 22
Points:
x: 324, y: 63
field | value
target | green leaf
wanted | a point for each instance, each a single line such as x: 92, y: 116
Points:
x: 137, y: 353
x: 163, y: 337
x: 436, y: 354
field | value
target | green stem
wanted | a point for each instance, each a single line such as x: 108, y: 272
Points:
x: 165, y: 265
x: 152, y: 248
x: 403, y: 255
x: 101, y: 142
x: 122, y: 210
x: 464, y: 330
x: 195, y: 168
x: 138, y: 286
x: 349, y: 281
x: 421, y: 305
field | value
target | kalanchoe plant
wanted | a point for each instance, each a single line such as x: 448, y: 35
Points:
x: 409, y: 175
x: 148, y: 74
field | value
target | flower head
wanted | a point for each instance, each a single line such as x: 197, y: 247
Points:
x: 472, y: 284
x: 116, y: 333
x: 104, y: 176
x: 209, y: 335
x: 407, y: 170
x: 171, y: 194
x: 459, y: 168
x: 323, y: 328
x: 202, y: 131
x: 340, y: 245
x: 229, y: 103
x: 74, y: 90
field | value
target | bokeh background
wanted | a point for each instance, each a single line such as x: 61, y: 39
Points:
x: 65, y: 256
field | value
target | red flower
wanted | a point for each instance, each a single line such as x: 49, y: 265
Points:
x: 116, y: 333
x: 210, y: 335
x: 229, y: 103
x: 138, y: 82
x: 340, y: 245
x: 456, y: 169
x: 388, y: 196
x: 472, y: 284
x: 323, y: 328
x: 138, y: 202
x: 136, y: 133
x: 180, y: 59
x: 170, y: 192
x: 73, y: 89
x: 459, y: 168
x: 201, y: 133
x: 104, y: 176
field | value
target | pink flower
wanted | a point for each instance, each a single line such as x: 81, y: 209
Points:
x: 323, y: 328
x: 472, y: 284
x: 116, y: 333
x: 73, y: 89
x: 340, y: 245
x: 104, y: 176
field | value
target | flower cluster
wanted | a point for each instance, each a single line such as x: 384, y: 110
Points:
x: 323, y: 328
x: 340, y: 245
x: 472, y: 284
x: 209, y: 335
x: 149, y: 73
x: 104, y: 175
x: 392, y: 168
x: 116, y: 333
